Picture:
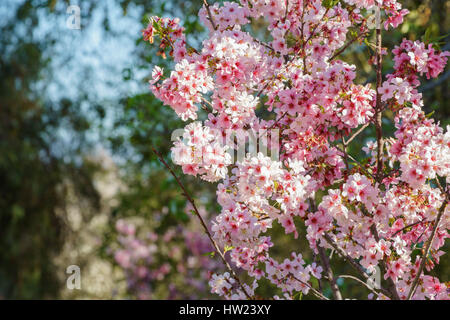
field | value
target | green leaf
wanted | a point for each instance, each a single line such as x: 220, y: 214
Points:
x: 212, y: 254
x: 426, y: 36
x: 227, y: 248
x: 430, y: 114
x: 329, y: 3
x: 17, y: 213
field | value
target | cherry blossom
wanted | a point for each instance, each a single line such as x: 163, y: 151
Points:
x: 378, y: 212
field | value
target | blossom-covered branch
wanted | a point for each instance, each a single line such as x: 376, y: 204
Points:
x: 202, y: 222
x: 369, y: 209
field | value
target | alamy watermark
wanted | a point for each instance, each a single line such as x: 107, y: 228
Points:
x: 74, y: 280
x: 374, y: 280
x: 374, y: 18
x: 73, y: 21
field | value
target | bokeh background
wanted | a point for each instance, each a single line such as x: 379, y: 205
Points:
x: 79, y: 184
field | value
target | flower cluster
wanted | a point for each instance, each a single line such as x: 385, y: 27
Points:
x: 393, y: 10
x: 169, y: 30
x: 292, y: 275
x: 184, y: 88
x: 231, y: 15
x: 421, y: 147
x: 224, y: 285
x: 416, y: 57
x: 201, y: 153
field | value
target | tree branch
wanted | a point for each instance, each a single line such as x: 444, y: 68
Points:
x: 383, y: 266
x: 360, y: 281
x: 379, y: 134
x: 348, y: 44
x: 378, y: 111
x: 408, y: 226
x: 208, y: 9
x: 427, y: 249
x: 314, y: 291
x: 352, y: 262
x: 345, y: 256
x: 202, y: 222
x: 346, y: 143
x: 355, y: 161
x: 325, y: 262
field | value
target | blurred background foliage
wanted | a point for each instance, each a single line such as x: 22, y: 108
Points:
x: 77, y: 123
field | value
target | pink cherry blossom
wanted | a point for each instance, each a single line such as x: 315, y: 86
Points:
x: 297, y: 84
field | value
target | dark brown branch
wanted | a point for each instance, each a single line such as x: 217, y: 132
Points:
x: 264, y: 44
x: 347, y: 166
x: 273, y: 125
x: 313, y: 32
x: 379, y: 135
x: 270, y: 81
x: 347, y: 142
x: 287, y: 10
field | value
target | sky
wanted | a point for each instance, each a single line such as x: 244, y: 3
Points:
x: 91, y: 60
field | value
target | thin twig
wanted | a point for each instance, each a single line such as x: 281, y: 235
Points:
x: 270, y: 81
x: 356, y: 162
x: 348, y: 44
x: 427, y: 249
x: 263, y: 44
x: 347, y: 142
x: 360, y: 281
x: 344, y: 149
x: 205, y: 228
x: 352, y: 262
x: 345, y: 256
x: 379, y: 135
x: 443, y: 190
x: 378, y: 111
x: 287, y: 10
x: 273, y: 125
x: 325, y: 262
x: 205, y: 2
x: 314, y: 291
x: 408, y: 226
